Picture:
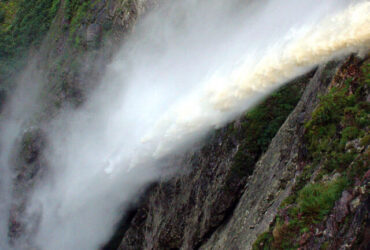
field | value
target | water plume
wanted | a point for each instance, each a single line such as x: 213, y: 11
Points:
x: 189, y: 67
x: 343, y: 33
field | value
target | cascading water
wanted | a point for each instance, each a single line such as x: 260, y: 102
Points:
x: 189, y: 67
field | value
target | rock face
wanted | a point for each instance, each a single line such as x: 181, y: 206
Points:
x: 274, y: 174
x: 201, y: 210
x: 71, y: 62
x: 184, y: 210
x: 214, y: 203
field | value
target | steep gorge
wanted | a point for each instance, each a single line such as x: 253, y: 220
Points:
x: 217, y: 207
x: 241, y: 187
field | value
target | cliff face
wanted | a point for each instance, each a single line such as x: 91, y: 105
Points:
x: 61, y: 41
x: 281, y: 172
x: 64, y: 39
x: 184, y: 212
x: 291, y: 173
x: 207, y: 209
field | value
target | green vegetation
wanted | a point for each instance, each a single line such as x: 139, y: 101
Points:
x: 260, y: 125
x: 341, y: 119
x: 263, y: 241
x: 312, y: 204
x: 23, y: 24
x: 316, y: 200
x: 71, y: 7
x: 77, y: 14
x: 342, y: 116
x: 27, y: 27
x: 300, y: 183
x: 8, y: 10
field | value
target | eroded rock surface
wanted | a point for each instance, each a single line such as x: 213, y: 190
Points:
x: 204, y: 210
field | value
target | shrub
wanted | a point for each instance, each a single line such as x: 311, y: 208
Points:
x: 260, y: 125
x: 2, y: 16
x: 341, y: 115
x: 316, y: 200
x: 27, y: 23
x: 263, y: 242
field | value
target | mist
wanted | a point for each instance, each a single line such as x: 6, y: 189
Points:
x: 14, y: 121
x: 187, y: 68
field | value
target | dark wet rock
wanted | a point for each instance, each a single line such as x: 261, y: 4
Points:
x: 32, y: 143
x: 29, y: 164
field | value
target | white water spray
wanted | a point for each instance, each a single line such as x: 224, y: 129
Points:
x: 188, y: 68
